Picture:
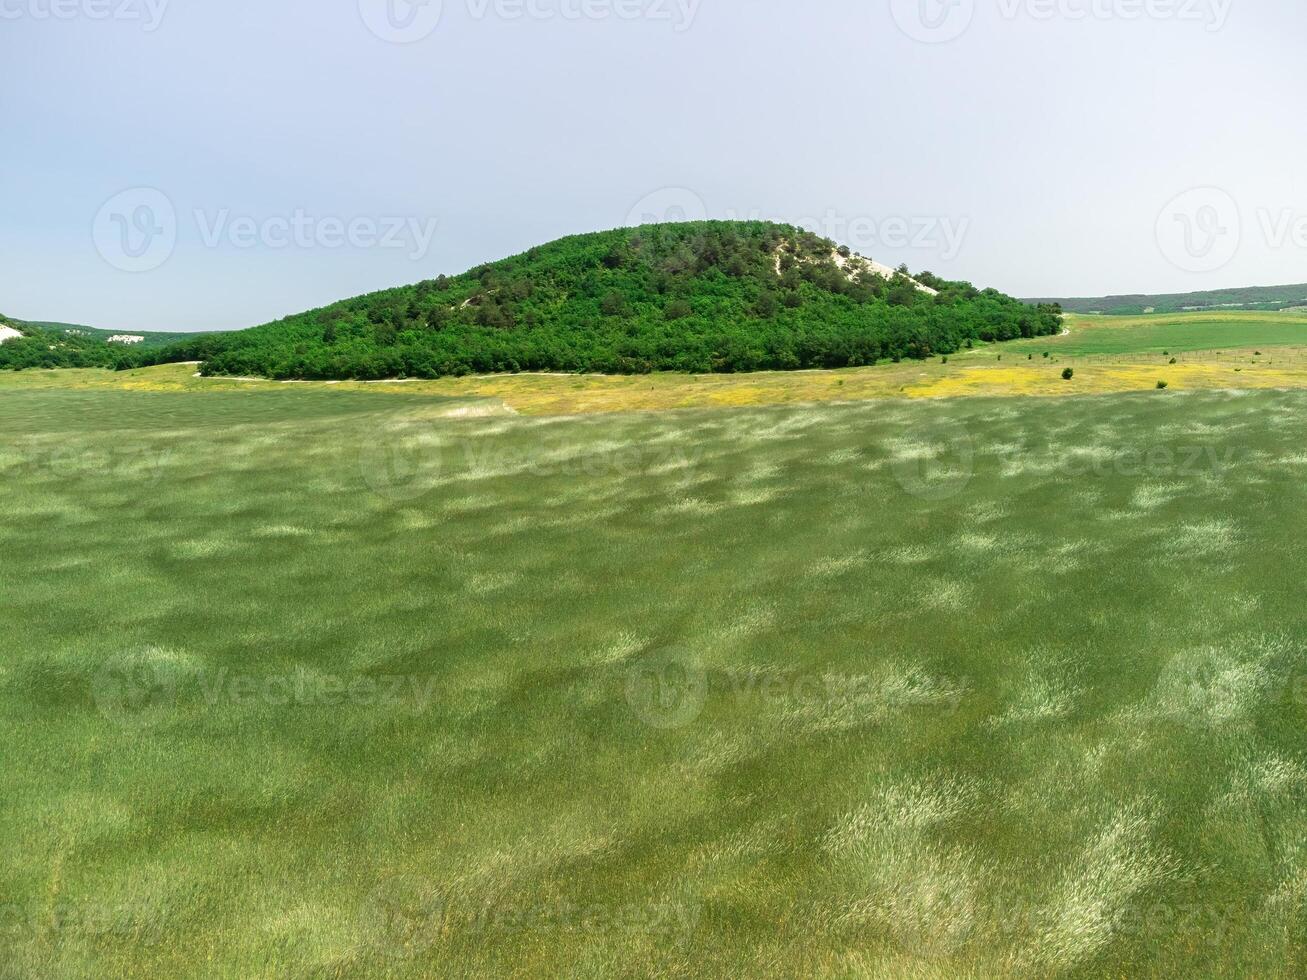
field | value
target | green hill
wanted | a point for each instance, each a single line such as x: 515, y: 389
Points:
x: 72, y: 345
x: 1263, y: 298
x: 696, y: 297
x: 151, y: 339
x: 699, y: 297
x: 41, y: 347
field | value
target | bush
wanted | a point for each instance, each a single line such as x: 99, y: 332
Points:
x: 1173, y: 360
x: 677, y: 309
x: 1068, y: 374
x: 1161, y: 385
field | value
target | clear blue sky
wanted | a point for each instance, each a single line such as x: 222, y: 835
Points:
x: 1035, y: 151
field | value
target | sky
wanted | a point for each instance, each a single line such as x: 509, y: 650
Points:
x: 215, y: 164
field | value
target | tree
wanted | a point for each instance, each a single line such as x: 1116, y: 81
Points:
x: 677, y: 309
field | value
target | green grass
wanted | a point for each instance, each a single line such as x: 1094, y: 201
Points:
x: 1171, y: 332
x: 332, y: 684
x: 1246, y: 298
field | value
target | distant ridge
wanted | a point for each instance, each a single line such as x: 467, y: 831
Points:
x: 1265, y: 298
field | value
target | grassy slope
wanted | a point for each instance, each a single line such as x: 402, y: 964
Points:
x: 1034, y: 708
x: 1173, y: 332
x: 1253, y: 297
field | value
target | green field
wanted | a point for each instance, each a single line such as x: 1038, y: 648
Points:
x: 1248, y: 298
x: 1171, y: 332
x: 325, y: 683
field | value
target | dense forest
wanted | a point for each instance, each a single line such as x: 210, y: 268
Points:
x: 701, y: 297
x: 698, y: 297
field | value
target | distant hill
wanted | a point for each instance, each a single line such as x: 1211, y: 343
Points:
x: 26, y: 345
x: 150, y: 339
x: 44, y: 344
x: 698, y: 297
x: 1271, y: 298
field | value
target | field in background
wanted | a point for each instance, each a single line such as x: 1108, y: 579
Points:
x: 1175, y: 333
x: 1219, y: 300
x: 339, y: 683
x: 1212, y: 351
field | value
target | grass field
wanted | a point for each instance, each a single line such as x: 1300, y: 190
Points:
x: 1175, y: 333
x: 387, y: 681
x: 1108, y: 354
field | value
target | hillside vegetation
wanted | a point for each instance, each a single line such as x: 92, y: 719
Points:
x: 697, y: 297
x: 1249, y: 298
x: 72, y: 345
x: 41, y: 347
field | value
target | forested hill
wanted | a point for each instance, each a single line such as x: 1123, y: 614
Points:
x: 30, y: 344
x: 704, y: 296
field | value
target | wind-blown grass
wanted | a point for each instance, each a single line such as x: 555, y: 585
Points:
x: 338, y: 683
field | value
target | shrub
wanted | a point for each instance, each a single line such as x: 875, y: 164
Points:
x: 1173, y: 360
x: 1067, y: 374
x: 677, y: 309
x: 1161, y: 385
